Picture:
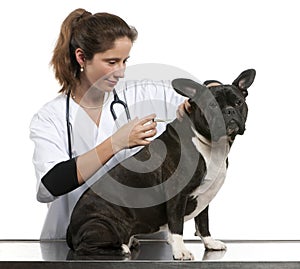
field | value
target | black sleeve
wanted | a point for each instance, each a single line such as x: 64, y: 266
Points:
x: 62, y: 178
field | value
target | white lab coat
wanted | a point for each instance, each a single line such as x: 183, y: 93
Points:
x: 48, y: 131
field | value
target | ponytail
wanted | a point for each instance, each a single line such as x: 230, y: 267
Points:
x: 63, y: 63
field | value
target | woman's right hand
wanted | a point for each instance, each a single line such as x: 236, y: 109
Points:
x: 134, y: 133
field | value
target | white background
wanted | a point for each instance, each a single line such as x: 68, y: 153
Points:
x: 213, y: 39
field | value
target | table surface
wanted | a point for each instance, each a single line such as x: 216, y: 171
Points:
x: 256, y: 254
x: 35, y: 250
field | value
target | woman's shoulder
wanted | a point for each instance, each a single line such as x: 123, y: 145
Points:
x: 53, y: 109
x: 56, y: 105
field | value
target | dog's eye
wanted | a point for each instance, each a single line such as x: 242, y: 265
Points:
x: 239, y: 102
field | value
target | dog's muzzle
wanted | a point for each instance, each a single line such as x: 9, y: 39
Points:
x: 234, y: 123
x: 233, y: 128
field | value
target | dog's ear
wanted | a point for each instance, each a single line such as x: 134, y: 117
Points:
x: 187, y: 87
x: 245, y: 80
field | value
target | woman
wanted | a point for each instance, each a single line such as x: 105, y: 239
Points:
x: 88, y: 60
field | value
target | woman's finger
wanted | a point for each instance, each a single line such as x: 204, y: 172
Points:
x: 146, y: 119
x: 149, y: 134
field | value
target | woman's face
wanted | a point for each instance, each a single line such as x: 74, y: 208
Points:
x: 106, y: 68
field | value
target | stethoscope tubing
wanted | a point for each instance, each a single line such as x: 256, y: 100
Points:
x: 113, y: 113
x: 68, y: 124
x: 118, y: 101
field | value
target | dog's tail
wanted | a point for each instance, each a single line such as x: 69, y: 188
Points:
x: 96, y: 237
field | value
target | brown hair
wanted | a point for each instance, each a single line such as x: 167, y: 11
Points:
x: 93, y: 34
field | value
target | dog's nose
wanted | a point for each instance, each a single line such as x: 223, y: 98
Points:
x: 229, y: 111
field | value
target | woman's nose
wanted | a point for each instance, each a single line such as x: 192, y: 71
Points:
x: 119, y: 72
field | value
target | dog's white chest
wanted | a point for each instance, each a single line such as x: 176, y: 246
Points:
x: 215, y: 155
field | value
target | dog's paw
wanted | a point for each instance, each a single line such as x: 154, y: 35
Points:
x: 182, y: 254
x: 212, y: 244
x: 125, y: 250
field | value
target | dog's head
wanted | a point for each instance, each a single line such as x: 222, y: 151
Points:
x: 217, y: 110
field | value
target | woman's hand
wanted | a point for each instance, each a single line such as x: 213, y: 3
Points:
x: 134, y: 133
x: 182, y: 109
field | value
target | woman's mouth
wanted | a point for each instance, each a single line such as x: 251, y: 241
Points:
x: 112, y: 82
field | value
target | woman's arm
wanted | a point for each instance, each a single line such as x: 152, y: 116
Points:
x: 68, y: 175
x: 132, y: 134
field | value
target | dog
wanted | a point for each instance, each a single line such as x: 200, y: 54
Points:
x: 188, y: 167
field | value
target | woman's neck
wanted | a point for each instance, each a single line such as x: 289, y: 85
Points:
x: 88, y: 98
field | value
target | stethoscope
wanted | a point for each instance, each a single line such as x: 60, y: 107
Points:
x: 116, y: 101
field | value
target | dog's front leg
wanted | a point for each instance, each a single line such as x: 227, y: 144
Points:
x: 175, y: 212
x: 202, y: 230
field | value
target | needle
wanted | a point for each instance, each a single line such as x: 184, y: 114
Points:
x: 161, y: 120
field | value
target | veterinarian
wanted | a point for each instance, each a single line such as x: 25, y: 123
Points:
x: 74, y: 134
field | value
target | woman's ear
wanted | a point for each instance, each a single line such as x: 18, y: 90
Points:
x: 79, y: 54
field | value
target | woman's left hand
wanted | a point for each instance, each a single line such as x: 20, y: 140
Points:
x: 182, y: 109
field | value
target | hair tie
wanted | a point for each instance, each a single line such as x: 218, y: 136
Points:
x: 84, y: 14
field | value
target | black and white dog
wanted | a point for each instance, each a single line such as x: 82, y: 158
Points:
x: 190, y: 163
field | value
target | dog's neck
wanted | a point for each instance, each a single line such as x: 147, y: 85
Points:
x: 202, y: 143
x: 203, y: 140
x: 211, y: 150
